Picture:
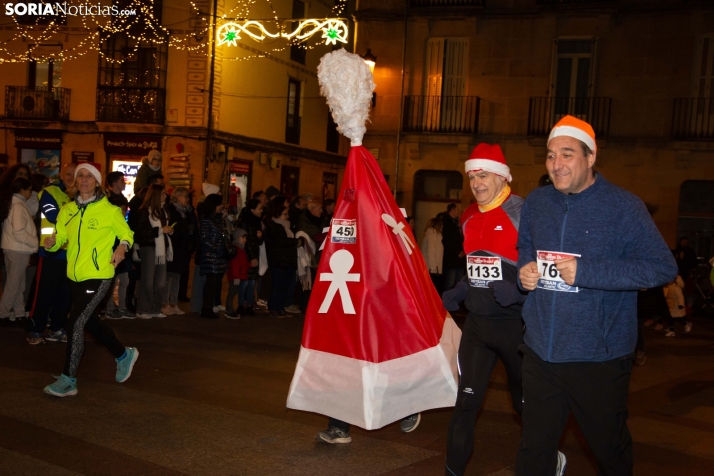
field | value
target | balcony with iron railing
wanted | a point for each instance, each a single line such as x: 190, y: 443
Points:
x: 39, y: 103
x: 441, y: 114
x: 693, y: 119
x: 544, y: 112
x: 445, y: 3
x: 135, y: 105
x: 575, y: 2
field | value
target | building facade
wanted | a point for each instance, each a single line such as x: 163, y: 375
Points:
x: 244, y: 114
x: 453, y: 73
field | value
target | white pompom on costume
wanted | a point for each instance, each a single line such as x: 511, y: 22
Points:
x: 346, y: 82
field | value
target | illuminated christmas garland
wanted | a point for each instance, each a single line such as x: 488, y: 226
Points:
x: 333, y: 30
x: 151, y: 31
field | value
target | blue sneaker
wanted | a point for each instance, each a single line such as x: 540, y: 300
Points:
x: 59, y: 336
x: 63, y: 387
x: 125, y: 365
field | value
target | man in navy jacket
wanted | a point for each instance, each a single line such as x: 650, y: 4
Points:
x: 585, y: 247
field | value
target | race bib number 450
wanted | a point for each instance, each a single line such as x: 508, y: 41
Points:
x: 482, y: 270
x: 549, y: 275
x: 344, y: 231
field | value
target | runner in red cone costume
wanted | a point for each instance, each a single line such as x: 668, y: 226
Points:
x: 493, y: 328
x: 378, y: 344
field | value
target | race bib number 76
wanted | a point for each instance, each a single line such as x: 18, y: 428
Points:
x: 549, y: 275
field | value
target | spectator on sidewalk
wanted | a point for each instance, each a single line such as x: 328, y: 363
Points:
x: 19, y: 242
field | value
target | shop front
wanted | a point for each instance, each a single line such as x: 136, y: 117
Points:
x: 125, y: 153
x: 41, y: 150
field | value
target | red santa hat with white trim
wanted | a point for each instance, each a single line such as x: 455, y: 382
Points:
x: 489, y: 158
x: 570, y: 126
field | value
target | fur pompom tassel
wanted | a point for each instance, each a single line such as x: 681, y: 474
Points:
x: 347, y: 83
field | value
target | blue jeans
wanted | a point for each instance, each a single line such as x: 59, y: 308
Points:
x: 246, y: 290
x: 283, y: 277
x: 451, y: 277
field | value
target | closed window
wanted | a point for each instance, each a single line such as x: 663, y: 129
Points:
x: 573, y: 75
x: 446, y: 83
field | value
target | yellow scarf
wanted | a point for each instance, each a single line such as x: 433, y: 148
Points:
x: 496, y: 202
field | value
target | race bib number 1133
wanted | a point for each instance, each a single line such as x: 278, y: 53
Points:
x: 482, y: 270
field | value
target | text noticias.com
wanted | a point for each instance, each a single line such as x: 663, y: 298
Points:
x: 63, y: 9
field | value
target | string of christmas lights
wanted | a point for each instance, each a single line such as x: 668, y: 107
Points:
x: 143, y: 28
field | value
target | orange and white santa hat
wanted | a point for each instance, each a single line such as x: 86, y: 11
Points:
x: 570, y: 126
x: 489, y: 158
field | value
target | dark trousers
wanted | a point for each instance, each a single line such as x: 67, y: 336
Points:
x: 213, y: 282
x: 281, y: 286
x: 134, y: 276
x: 483, y: 342
x: 640, y: 347
x: 183, y: 280
x: 342, y: 425
x: 52, y: 298
x: 452, y: 276
x: 86, y: 296
x: 596, y: 394
x: 438, y: 281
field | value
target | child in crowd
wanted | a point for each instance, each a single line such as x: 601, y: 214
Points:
x: 675, y: 300
x: 121, y: 273
x: 238, y: 282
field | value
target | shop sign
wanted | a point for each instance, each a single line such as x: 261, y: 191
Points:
x: 129, y: 144
x: 241, y: 167
x: 82, y: 157
x: 42, y: 139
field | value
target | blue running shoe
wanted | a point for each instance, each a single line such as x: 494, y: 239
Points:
x: 125, y: 365
x: 63, y: 387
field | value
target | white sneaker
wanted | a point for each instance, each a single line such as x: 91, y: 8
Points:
x: 159, y: 315
x: 177, y: 311
x: 669, y: 334
x: 688, y: 328
x: 562, y: 462
x: 143, y: 316
x: 168, y: 310
x: 261, y: 303
x: 292, y: 309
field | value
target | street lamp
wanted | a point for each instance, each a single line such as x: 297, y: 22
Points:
x: 370, y: 59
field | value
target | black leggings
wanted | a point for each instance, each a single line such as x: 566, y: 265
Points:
x: 212, y: 285
x: 86, y: 296
x: 483, y: 341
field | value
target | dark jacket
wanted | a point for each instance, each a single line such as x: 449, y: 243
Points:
x: 294, y: 215
x: 310, y: 224
x: 183, y: 239
x: 213, y: 255
x: 144, y: 233
x: 621, y: 251
x: 453, y: 242
x: 280, y: 249
x: 252, y: 225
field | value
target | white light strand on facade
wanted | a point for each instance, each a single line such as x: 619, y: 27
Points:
x: 333, y: 30
x: 144, y: 28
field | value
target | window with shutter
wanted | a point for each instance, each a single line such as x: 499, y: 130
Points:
x: 446, y: 81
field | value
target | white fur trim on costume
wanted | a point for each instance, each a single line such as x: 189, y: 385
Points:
x: 489, y: 166
x: 347, y: 83
x: 574, y: 132
x: 91, y: 169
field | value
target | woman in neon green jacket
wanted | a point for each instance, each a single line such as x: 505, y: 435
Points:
x: 89, y: 225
